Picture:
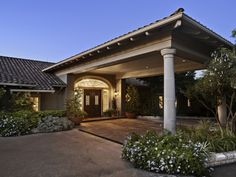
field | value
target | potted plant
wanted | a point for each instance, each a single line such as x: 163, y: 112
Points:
x: 110, y: 113
x: 115, y: 112
x: 132, y: 102
x: 73, y: 109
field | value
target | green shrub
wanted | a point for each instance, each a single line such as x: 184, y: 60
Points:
x: 219, y: 140
x: 2, y: 92
x: 18, y: 123
x: 132, y: 104
x: 74, y: 106
x: 22, y: 101
x: 53, y: 113
x: 110, y: 112
x: 22, y: 122
x: 171, y: 154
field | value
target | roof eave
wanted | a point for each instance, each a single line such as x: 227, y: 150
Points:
x: 15, y: 84
x: 157, y: 24
x: 32, y: 90
x: 119, y: 39
x: 207, y: 30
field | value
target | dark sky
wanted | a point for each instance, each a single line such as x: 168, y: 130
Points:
x: 52, y: 30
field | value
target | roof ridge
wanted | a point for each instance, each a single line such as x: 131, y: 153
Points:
x: 178, y: 11
x: 25, y: 59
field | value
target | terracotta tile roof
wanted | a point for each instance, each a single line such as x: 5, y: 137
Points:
x: 27, y: 73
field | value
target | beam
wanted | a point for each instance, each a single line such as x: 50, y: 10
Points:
x: 118, y: 57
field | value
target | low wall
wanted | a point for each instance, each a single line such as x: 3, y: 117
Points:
x: 223, y: 158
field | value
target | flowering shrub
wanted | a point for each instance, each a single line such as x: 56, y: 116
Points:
x: 18, y: 123
x: 172, y: 154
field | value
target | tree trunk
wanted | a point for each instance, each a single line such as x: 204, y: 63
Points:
x: 222, y: 111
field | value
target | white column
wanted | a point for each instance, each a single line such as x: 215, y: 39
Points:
x: 169, y: 90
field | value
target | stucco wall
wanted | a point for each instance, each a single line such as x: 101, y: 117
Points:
x: 58, y: 99
x: 52, y: 101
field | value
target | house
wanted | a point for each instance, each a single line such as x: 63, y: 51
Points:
x: 24, y: 75
x: 176, y: 43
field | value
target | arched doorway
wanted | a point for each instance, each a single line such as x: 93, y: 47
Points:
x: 95, y: 95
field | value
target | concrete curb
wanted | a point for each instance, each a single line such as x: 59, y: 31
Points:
x: 223, y: 158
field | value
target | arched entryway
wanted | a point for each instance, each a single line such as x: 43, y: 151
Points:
x: 95, y: 95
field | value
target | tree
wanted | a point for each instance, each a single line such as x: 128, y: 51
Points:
x: 234, y: 36
x: 217, y: 85
x: 234, y: 33
x: 132, y: 100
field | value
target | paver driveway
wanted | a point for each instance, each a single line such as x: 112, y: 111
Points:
x: 118, y: 129
x: 70, y: 154
x: 63, y: 154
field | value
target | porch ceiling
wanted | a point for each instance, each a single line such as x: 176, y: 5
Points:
x: 147, y: 65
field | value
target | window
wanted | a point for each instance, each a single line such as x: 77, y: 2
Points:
x: 105, y: 100
x: 87, y: 100
x: 35, y: 101
x: 161, y: 102
x: 189, y: 103
x: 91, y: 83
x: 96, y: 100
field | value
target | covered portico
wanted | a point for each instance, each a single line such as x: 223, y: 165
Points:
x: 174, y: 44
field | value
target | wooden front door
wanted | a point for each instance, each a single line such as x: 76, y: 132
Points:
x: 92, y: 102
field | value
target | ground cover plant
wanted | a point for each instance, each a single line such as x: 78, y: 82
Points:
x: 185, y: 153
x: 171, y: 154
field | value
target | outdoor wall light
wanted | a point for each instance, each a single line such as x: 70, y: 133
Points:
x: 116, y: 93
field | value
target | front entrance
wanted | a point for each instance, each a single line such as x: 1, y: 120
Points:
x: 92, y: 102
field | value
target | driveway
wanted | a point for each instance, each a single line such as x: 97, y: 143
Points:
x: 117, y: 130
x: 63, y: 154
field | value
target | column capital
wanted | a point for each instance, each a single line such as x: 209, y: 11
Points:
x: 168, y: 51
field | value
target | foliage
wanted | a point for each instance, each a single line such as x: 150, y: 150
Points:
x: 15, y: 101
x: 5, y: 100
x: 73, y: 106
x: 22, y: 101
x: 17, y: 123
x: 218, y: 82
x: 234, y: 33
x: 22, y: 122
x: 110, y: 112
x: 53, y: 113
x: 172, y: 154
x: 219, y: 140
x: 114, y: 104
x: 217, y: 78
x: 2, y: 92
x: 132, y: 100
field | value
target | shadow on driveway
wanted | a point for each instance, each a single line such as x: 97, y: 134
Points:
x: 117, y: 130
x: 63, y: 154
